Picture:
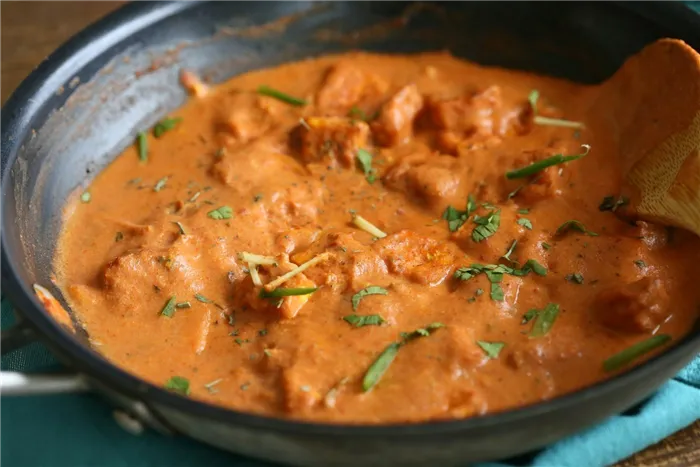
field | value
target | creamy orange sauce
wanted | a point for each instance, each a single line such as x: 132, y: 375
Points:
x: 439, y: 130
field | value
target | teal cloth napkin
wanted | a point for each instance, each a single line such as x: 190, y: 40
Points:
x: 79, y: 431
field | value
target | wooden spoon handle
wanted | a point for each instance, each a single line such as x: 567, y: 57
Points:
x: 654, y: 110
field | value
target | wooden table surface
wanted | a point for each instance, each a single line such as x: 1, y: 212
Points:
x: 32, y: 30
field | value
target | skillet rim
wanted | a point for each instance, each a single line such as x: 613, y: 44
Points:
x: 96, y: 39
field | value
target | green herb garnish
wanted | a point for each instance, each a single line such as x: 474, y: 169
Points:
x: 85, y: 197
x: 492, y: 349
x: 181, y: 228
x: 523, y: 211
x: 179, y: 385
x: 497, y: 292
x: 270, y: 92
x: 169, y: 308
x: 456, y: 218
x: 576, y: 277
x: 371, y: 290
x: 202, y: 298
x: 545, y: 163
x: 182, y: 305
x: 364, y: 157
x: 536, y: 267
x: 384, y: 360
x: 164, y: 125
x: 221, y: 213
x: 525, y: 223
x: 486, y: 226
x: 367, y: 320
x: 510, y: 251
x: 544, y: 320
x: 359, y: 114
x: 546, y: 245
x: 625, y: 357
x: 529, y: 315
x: 142, y: 142
x: 610, y: 203
x: 574, y: 225
x: 160, y: 184
x: 640, y: 264
x: 287, y: 292
x: 533, y: 97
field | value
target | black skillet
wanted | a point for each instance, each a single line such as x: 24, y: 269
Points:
x: 56, y: 136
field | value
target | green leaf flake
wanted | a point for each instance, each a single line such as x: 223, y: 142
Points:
x: 544, y: 320
x: 364, y: 157
x: 165, y: 125
x: 202, y: 298
x: 169, y: 308
x: 496, y: 292
x: 221, y: 213
x: 538, y: 166
x: 486, y: 226
x: 381, y: 364
x: 287, y: 292
x: 576, y: 277
x: 371, y: 290
x: 536, y: 267
x: 279, y: 95
x: 510, y: 251
x: 367, y: 320
x: 491, y: 349
x: 529, y: 315
x: 179, y: 385
x: 85, y: 197
x: 630, y: 354
x: 574, y: 225
x: 612, y: 203
x: 525, y: 223
x: 640, y: 263
x: 142, y: 143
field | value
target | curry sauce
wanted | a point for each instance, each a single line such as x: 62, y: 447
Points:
x: 366, y: 238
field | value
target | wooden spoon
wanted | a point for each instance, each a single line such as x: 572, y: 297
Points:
x: 653, y: 103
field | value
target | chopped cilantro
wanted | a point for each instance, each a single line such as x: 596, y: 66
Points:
x: 367, y: 320
x: 364, y: 157
x: 525, y: 223
x: 486, y: 226
x: 165, y: 125
x: 491, y: 349
x: 574, y: 225
x: 221, y: 213
x: 169, y: 308
x: 544, y: 320
x: 371, y: 290
x: 538, y: 166
x: 179, y: 385
x: 270, y: 92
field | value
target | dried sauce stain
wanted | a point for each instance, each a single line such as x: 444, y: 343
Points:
x: 342, y: 229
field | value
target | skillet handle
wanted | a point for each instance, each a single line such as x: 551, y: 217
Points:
x: 15, y: 383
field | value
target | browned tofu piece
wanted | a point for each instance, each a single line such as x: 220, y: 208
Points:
x: 395, y: 123
x: 331, y: 140
x: 420, y: 259
x: 637, y: 307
